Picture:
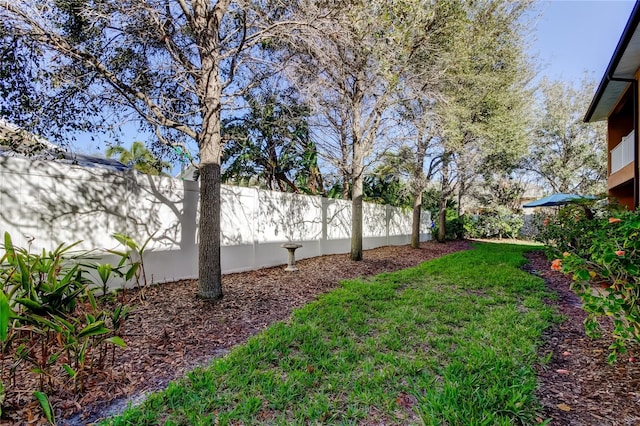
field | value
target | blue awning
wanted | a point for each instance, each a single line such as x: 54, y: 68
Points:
x: 558, y: 200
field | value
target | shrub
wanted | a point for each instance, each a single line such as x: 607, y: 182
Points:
x: 573, y: 228
x: 494, y: 223
x: 52, y: 324
x: 600, y: 247
x: 454, y: 227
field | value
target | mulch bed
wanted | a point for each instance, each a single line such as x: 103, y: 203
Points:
x: 578, y: 386
x: 171, y: 332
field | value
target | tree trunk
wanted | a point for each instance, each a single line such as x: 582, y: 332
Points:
x: 209, y: 267
x: 415, y: 225
x: 356, y: 218
x: 357, y: 176
x: 209, y: 89
x: 346, y: 187
x: 418, y: 187
x: 442, y: 213
x: 442, y: 221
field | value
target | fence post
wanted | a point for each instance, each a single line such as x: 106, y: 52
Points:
x: 254, y: 226
x: 324, y: 206
x: 387, y: 221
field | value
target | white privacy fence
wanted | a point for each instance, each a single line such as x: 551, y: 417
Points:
x: 43, y: 204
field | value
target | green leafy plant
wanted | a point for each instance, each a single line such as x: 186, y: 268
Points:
x: 131, y: 259
x: 50, y: 320
x: 46, y: 406
x: 2, y: 396
x: 105, y: 271
x: 454, y: 227
x: 600, y: 247
x: 493, y: 223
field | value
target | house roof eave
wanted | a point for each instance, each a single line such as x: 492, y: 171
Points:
x: 623, y: 65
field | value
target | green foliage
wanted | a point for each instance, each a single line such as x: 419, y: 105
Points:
x: 5, y: 311
x: 485, y: 84
x: 139, y: 157
x: 500, y: 193
x: 574, y: 226
x: 50, y: 322
x: 24, y: 77
x: 493, y: 223
x: 454, y: 227
x: 600, y: 247
x: 46, y: 406
x: 566, y: 153
x: 431, y: 201
x: 385, y: 189
x: 131, y: 264
x: 270, y: 144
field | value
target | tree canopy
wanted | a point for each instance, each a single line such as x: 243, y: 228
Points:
x: 567, y: 154
x: 172, y: 66
x: 272, y: 93
x: 270, y: 145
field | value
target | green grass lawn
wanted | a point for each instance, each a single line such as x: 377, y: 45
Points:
x: 452, y: 341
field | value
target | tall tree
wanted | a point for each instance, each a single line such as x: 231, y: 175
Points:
x: 387, y: 183
x: 485, y: 108
x: 421, y: 82
x: 354, y: 63
x: 568, y: 154
x: 501, y: 191
x: 170, y: 64
x: 139, y: 157
x: 462, y: 99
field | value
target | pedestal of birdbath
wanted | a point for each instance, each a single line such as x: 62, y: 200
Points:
x: 291, y: 247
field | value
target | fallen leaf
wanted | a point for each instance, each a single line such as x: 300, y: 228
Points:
x: 406, y: 400
x: 564, y: 407
x: 566, y: 353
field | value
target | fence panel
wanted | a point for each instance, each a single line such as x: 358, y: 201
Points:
x: 46, y: 203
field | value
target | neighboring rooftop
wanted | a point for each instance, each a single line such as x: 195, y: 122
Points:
x: 17, y: 142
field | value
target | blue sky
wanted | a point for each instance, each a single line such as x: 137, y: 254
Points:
x: 574, y: 37
x: 569, y: 38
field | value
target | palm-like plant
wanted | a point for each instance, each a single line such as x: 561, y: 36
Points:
x: 139, y: 157
x: 271, y: 145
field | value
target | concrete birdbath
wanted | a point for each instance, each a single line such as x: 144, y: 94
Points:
x: 291, y: 247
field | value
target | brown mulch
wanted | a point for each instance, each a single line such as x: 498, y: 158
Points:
x: 171, y: 332
x: 578, y: 386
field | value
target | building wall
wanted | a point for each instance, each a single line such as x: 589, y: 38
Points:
x: 619, y: 124
x: 43, y: 204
